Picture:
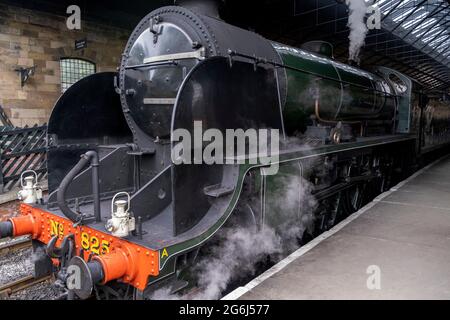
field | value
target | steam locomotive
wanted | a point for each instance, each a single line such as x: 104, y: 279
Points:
x: 129, y: 220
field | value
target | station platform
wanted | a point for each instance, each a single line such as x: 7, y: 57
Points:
x: 396, y: 247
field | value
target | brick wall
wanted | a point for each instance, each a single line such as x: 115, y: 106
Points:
x: 30, y: 38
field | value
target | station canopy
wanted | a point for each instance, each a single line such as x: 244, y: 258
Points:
x: 414, y: 37
x: 424, y: 27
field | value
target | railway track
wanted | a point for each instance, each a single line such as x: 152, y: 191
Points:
x: 25, y: 282
x: 20, y: 284
x: 14, y: 246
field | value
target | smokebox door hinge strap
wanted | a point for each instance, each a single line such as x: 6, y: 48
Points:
x: 155, y: 28
x: 116, y: 85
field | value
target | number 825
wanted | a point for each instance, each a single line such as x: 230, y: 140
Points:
x: 93, y: 244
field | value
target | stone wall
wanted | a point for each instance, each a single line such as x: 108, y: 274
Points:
x: 32, y: 38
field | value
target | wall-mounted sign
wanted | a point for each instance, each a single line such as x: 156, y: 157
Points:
x: 80, y: 44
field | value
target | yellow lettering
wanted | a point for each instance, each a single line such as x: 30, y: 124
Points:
x: 54, y: 228
x: 60, y: 229
x: 85, y: 241
x: 94, y: 245
x: 105, y: 247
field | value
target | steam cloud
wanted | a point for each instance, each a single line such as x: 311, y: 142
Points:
x: 239, y: 249
x: 238, y: 254
x: 358, y: 29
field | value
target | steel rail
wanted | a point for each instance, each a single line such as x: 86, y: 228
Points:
x: 14, y: 246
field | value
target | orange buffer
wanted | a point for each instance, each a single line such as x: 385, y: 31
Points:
x: 120, y: 259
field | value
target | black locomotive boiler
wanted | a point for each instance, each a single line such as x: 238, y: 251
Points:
x: 124, y: 214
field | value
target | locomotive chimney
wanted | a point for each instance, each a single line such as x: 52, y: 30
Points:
x: 206, y: 7
x: 353, y: 63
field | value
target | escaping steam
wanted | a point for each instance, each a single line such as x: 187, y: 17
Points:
x: 358, y: 28
x: 237, y: 255
x: 296, y: 214
x: 240, y: 250
x: 237, y: 252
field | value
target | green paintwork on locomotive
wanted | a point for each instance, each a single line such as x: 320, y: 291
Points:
x: 288, y: 161
x: 306, y: 73
x: 344, y: 92
x: 283, y: 196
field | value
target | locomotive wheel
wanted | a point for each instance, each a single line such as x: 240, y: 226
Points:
x: 328, y: 214
x: 244, y: 216
x: 353, y: 199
